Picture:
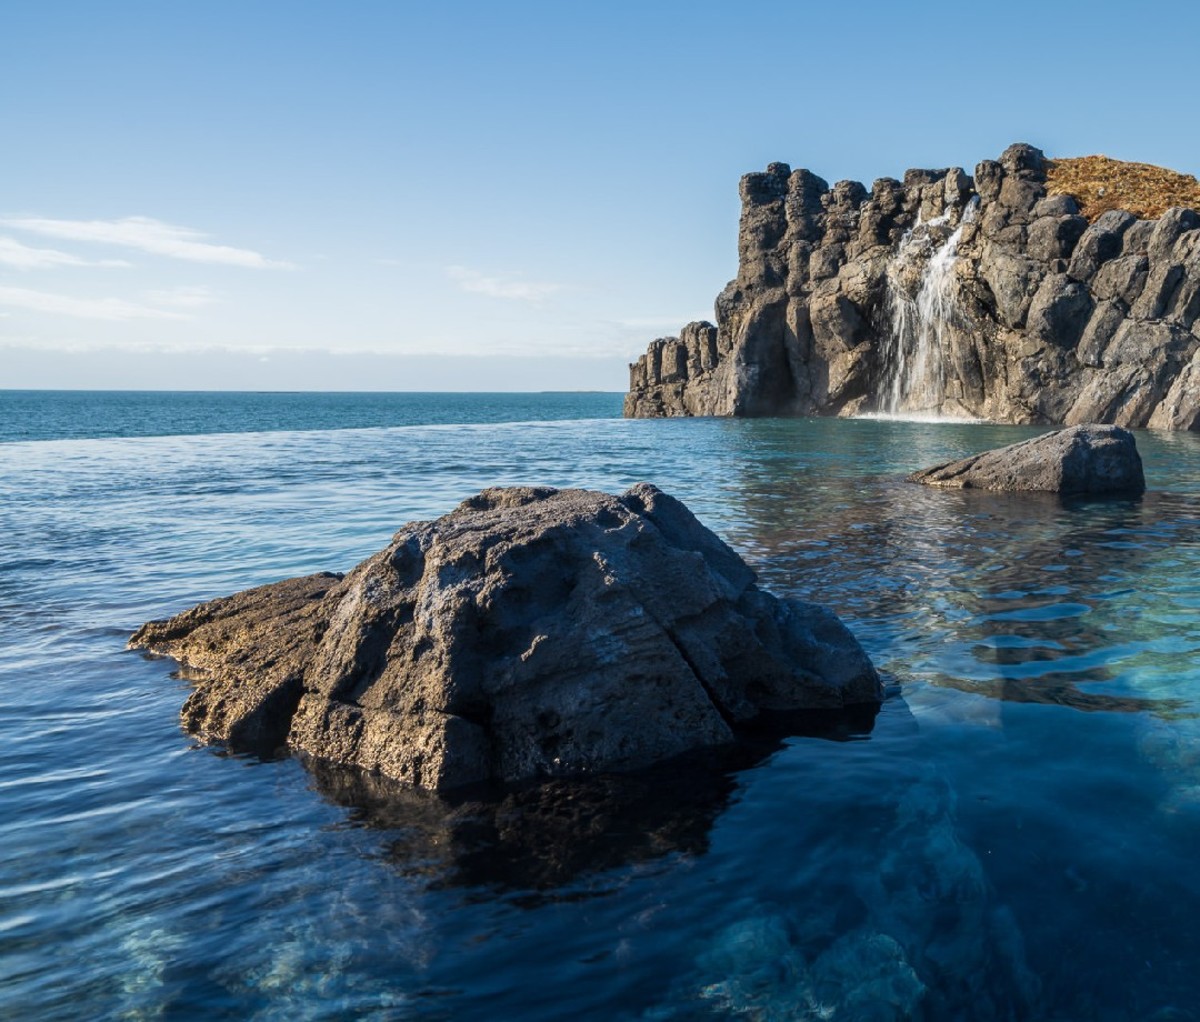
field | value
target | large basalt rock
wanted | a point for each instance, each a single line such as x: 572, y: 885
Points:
x: 1080, y: 460
x: 531, y: 632
x: 1020, y: 326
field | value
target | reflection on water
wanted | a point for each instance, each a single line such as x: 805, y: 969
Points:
x: 538, y: 840
x: 541, y: 836
x: 1015, y: 837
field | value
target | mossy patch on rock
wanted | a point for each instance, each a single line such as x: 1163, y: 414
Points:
x: 1100, y: 183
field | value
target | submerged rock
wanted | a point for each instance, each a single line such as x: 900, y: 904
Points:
x: 906, y: 927
x: 532, y: 632
x: 1079, y: 460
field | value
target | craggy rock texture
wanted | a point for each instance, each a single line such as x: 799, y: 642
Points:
x: 1079, y: 460
x: 531, y: 632
x: 944, y: 294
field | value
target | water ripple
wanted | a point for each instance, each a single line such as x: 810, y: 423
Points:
x: 1042, y: 767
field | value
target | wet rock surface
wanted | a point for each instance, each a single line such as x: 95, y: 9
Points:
x: 530, y: 633
x: 1028, y: 312
x: 1078, y: 460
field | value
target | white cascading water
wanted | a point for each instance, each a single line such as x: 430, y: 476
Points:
x: 914, y: 379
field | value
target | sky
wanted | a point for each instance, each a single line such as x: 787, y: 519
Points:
x: 487, y: 196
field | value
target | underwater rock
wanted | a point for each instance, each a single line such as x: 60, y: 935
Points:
x: 1078, y: 460
x: 755, y: 969
x: 530, y: 633
x: 867, y: 977
x: 910, y: 929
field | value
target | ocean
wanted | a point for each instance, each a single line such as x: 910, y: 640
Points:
x: 1013, y: 837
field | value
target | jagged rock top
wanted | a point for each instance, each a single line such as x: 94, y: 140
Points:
x: 1079, y: 460
x: 532, y: 632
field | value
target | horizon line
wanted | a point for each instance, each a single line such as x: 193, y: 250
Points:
x: 289, y: 390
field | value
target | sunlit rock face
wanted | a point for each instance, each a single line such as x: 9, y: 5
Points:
x: 530, y: 633
x: 942, y: 295
x: 1078, y: 460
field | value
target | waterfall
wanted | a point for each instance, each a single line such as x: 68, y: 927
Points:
x: 914, y: 378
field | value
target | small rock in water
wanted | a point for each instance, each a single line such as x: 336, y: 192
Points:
x: 530, y: 633
x: 1078, y: 460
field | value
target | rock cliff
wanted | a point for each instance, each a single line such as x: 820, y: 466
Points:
x: 989, y: 297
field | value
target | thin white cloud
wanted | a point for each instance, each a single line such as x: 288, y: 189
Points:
x: 512, y: 288
x: 181, y: 297
x: 81, y: 308
x: 22, y: 257
x: 148, y: 235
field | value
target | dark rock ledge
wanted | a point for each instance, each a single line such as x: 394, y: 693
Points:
x: 530, y: 633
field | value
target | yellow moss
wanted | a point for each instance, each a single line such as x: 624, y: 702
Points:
x: 1099, y: 184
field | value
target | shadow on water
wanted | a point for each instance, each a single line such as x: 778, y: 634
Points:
x: 536, y: 840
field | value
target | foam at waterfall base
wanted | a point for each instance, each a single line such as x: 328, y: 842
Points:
x: 919, y: 416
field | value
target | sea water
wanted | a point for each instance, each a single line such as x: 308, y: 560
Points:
x: 1015, y: 836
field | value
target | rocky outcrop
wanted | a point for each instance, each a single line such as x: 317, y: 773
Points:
x: 944, y: 294
x: 530, y: 633
x: 1079, y: 460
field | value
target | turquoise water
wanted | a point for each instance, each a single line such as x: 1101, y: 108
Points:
x: 1015, y: 837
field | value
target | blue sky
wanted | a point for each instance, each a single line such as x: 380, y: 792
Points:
x: 408, y: 196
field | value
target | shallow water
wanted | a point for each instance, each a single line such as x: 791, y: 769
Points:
x: 1014, y: 838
